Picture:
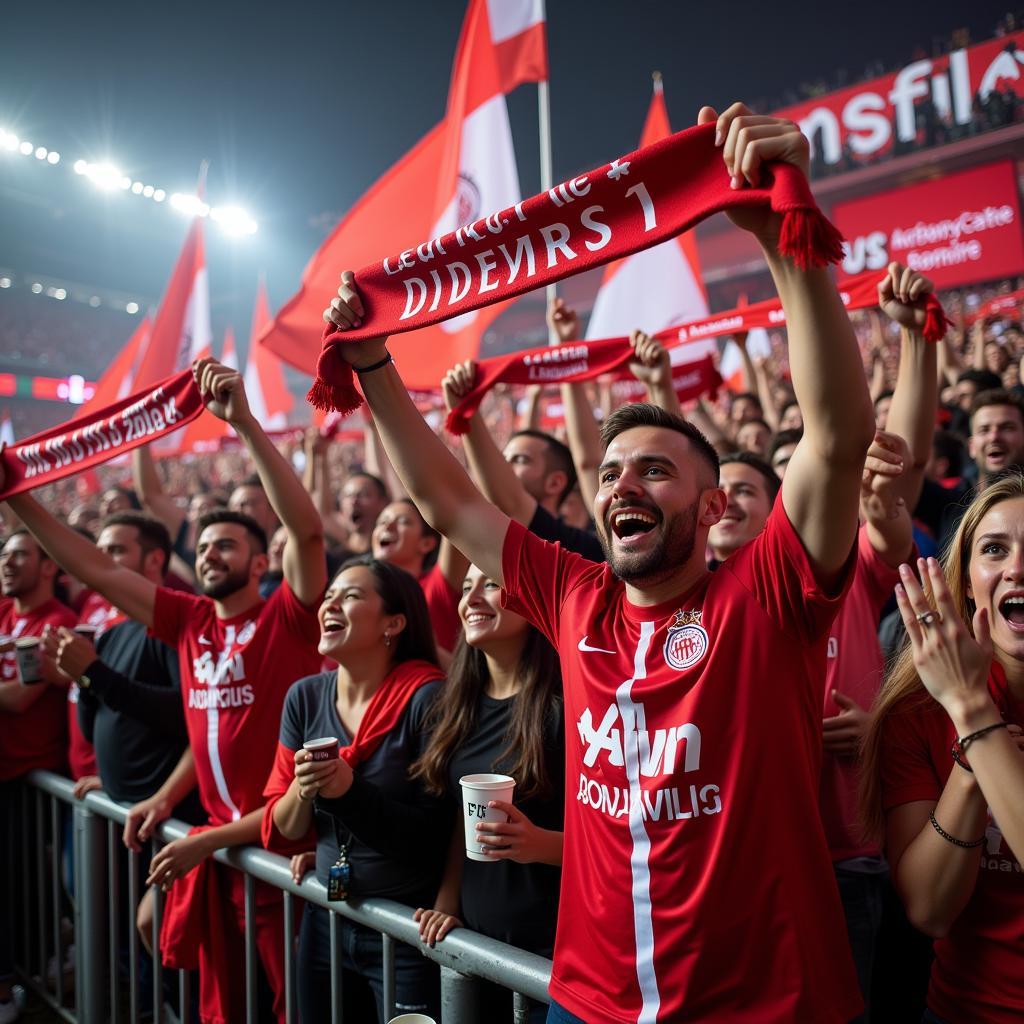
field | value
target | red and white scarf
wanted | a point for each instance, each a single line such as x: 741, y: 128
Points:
x: 618, y: 209
x: 91, y: 440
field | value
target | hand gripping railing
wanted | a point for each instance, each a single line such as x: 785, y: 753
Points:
x: 103, y: 926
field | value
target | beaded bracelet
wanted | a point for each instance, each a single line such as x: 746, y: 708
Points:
x: 953, y: 839
x: 961, y: 743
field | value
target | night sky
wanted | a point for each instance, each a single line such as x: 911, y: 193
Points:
x: 300, y: 107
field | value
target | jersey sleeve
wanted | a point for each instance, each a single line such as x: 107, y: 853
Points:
x: 443, y: 607
x: 539, y: 576
x: 777, y: 570
x: 906, y: 767
x: 172, y: 610
x: 297, y: 619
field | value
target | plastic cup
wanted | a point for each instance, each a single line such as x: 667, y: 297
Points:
x: 86, y: 631
x: 323, y: 749
x: 412, y: 1018
x: 30, y: 666
x: 477, y: 791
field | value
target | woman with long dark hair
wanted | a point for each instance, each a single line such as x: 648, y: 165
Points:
x: 361, y: 804
x: 943, y: 777
x: 501, y: 713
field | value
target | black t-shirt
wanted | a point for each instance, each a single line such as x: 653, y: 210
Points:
x: 397, y: 834
x: 549, y: 527
x: 516, y: 903
x: 132, y: 711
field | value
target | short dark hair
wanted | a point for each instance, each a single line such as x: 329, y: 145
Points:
x: 23, y: 531
x: 125, y: 492
x: 757, y: 420
x: 786, y: 406
x: 772, y: 482
x: 644, y: 414
x: 153, y: 535
x: 750, y: 396
x: 428, y: 530
x: 984, y: 380
x: 226, y: 515
x: 783, y: 438
x: 996, y: 396
x: 402, y: 595
x: 252, y: 480
x: 947, y: 445
x: 378, y: 485
x: 557, y: 458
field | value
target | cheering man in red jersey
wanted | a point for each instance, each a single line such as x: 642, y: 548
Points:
x: 238, y: 656
x: 694, y: 853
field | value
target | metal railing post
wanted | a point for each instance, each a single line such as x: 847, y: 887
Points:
x: 458, y: 997
x: 91, y: 902
x: 387, y: 955
x: 251, y: 1013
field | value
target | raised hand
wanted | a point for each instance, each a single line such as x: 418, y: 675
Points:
x: 222, y: 390
x: 652, y: 364
x: 346, y: 312
x: 457, y: 383
x: 901, y: 296
x: 563, y: 321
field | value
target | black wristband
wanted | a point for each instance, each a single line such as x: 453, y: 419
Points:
x: 374, y: 366
x: 963, y: 742
x: 962, y: 843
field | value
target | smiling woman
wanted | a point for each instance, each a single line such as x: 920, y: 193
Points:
x: 943, y: 772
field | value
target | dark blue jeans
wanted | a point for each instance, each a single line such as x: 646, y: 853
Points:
x: 417, y: 982
x: 861, y: 896
x: 560, y: 1015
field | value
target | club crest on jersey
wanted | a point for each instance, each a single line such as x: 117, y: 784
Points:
x: 687, y: 641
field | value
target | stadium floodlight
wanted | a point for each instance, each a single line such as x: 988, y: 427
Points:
x: 132, y: 307
x: 26, y: 148
x: 80, y: 167
x: 11, y: 142
x: 234, y: 220
x: 94, y: 301
x: 53, y: 157
x: 159, y: 195
x: 41, y: 152
x: 188, y: 204
x: 5, y: 282
x: 60, y: 293
x: 105, y: 176
x: 125, y: 183
x: 36, y: 288
x: 137, y: 188
x: 148, y: 191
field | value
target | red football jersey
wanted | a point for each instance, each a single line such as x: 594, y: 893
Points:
x: 36, y: 738
x: 99, y: 613
x: 978, y: 971
x: 234, y: 676
x: 696, y: 881
x: 855, y: 667
x: 443, y: 606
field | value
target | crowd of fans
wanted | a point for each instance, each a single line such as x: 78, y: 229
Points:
x: 667, y: 628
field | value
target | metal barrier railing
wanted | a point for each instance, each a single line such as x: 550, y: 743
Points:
x: 104, y: 907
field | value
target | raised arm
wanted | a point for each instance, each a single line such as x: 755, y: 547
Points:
x: 883, y: 507
x: 430, y: 473
x: 653, y: 368
x: 305, y: 567
x: 901, y: 295
x: 149, y: 488
x: 821, y: 489
x: 582, y: 433
x: 487, y: 465
x: 129, y: 590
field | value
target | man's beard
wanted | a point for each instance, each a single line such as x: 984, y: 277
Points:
x: 678, y: 537
x: 227, y: 585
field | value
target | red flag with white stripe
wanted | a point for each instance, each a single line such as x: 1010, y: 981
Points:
x: 268, y: 394
x: 660, y: 286
x: 467, y: 164
x: 181, y: 329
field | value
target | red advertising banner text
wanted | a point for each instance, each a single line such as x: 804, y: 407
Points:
x: 959, y: 229
x: 865, y: 120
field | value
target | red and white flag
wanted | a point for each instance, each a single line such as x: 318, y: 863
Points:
x: 460, y: 171
x: 206, y: 432
x: 181, y: 329
x: 119, y: 377
x: 228, y: 355
x: 657, y: 287
x: 268, y: 394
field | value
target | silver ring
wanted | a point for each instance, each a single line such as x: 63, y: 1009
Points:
x: 927, y: 618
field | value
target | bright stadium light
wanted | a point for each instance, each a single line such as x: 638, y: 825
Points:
x: 41, y: 152
x: 137, y: 188
x: 94, y: 301
x: 11, y: 142
x: 36, y: 288
x: 61, y: 294
x: 147, y: 191
x: 189, y: 204
x: 26, y: 148
x: 104, y: 176
x: 5, y: 282
x: 159, y: 195
x: 53, y: 157
x: 125, y: 183
x: 132, y: 307
x: 80, y: 167
x: 234, y: 220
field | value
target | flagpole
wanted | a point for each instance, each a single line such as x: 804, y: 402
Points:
x: 546, y: 182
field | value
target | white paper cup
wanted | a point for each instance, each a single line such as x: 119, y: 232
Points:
x: 30, y: 665
x: 412, y: 1018
x: 86, y: 631
x: 477, y: 792
x: 323, y: 749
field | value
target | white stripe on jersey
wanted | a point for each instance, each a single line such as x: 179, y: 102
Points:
x: 643, y: 922
x: 213, y: 723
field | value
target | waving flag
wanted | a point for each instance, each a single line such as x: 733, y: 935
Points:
x: 461, y: 170
x: 269, y: 397
x: 658, y: 287
x: 118, y: 378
